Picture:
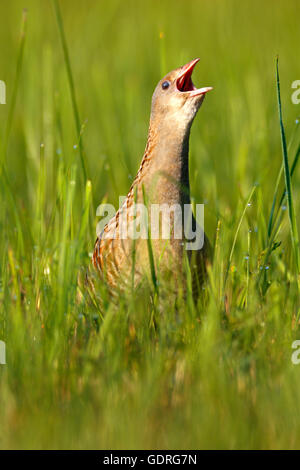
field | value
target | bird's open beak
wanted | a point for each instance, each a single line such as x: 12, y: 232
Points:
x: 184, y: 81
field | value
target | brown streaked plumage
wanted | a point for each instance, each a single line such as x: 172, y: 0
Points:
x: 164, y: 177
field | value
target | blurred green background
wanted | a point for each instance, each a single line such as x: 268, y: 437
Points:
x: 76, y: 377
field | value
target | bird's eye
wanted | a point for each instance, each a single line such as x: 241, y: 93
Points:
x: 165, y: 85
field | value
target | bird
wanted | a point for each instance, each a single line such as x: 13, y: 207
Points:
x: 162, y: 181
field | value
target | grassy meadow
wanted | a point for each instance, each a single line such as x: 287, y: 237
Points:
x: 73, y: 130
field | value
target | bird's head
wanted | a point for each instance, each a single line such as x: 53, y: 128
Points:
x: 176, y: 99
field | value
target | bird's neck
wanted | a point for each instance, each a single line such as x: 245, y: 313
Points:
x: 164, y: 170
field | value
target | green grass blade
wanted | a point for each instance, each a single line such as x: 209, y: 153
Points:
x: 274, y: 214
x: 71, y: 84
x: 16, y: 82
x: 270, y: 223
x: 150, y: 251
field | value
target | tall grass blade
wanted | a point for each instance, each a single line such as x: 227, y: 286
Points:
x: 237, y: 232
x: 71, y: 85
x: 150, y: 251
x: 293, y: 167
x: 11, y: 111
x: 288, y: 184
x: 274, y: 214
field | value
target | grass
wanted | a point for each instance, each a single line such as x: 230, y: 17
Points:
x: 288, y: 184
x: 138, y: 373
